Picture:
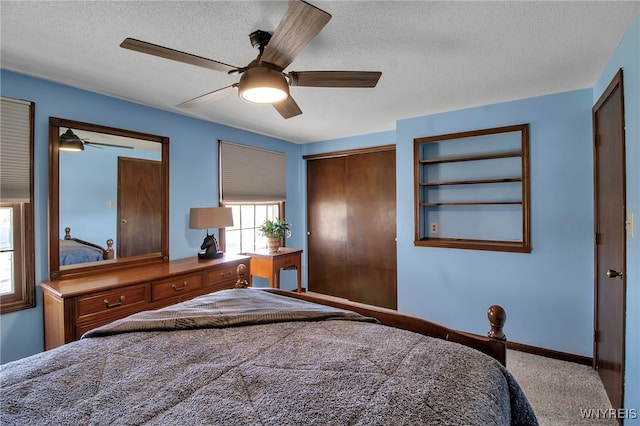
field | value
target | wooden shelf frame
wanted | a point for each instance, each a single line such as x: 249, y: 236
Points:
x: 477, y: 157
x: 472, y: 181
x: 423, y: 205
x: 470, y: 203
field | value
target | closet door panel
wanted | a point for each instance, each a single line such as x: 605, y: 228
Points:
x: 374, y: 287
x: 371, y: 245
x: 327, y: 226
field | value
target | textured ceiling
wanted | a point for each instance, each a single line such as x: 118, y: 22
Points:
x: 434, y: 56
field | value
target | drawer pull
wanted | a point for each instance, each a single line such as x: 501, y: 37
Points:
x: 106, y: 303
x: 225, y: 274
x: 184, y: 285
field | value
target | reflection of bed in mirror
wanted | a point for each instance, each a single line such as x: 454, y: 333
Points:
x: 75, y: 250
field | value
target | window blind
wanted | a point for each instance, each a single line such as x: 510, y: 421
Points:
x: 15, y: 150
x: 249, y: 174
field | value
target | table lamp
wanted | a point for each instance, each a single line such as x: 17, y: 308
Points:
x: 207, y: 218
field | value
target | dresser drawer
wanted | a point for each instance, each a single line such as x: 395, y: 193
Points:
x: 223, y: 277
x: 108, y: 302
x: 83, y: 327
x: 284, y: 262
x: 176, y: 286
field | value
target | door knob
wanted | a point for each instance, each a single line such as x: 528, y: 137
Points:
x: 123, y: 220
x: 613, y: 274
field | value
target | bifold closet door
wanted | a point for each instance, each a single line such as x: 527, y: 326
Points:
x: 351, y: 204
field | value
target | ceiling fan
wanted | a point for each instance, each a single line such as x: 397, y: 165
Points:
x: 69, y: 141
x: 263, y: 79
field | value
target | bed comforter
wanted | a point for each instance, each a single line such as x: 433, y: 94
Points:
x: 72, y: 252
x: 247, y: 357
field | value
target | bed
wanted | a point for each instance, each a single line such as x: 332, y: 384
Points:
x: 248, y: 356
x: 75, y: 250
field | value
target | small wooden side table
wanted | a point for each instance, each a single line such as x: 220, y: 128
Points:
x: 268, y: 265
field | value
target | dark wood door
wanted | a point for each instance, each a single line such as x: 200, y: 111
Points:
x: 352, y: 227
x: 610, y: 249
x: 327, y: 226
x: 139, y: 207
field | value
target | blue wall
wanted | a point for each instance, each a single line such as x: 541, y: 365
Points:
x: 193, y: 177
x: 627, y: 57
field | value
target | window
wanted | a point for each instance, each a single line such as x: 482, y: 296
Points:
x: 10, y: 249
x: 253, y: 185
x: 17, y: 271
x: 243, y: 236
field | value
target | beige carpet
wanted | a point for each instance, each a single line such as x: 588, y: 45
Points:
x: 558, y: 390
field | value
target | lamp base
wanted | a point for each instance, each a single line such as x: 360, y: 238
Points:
x: 210, y: 255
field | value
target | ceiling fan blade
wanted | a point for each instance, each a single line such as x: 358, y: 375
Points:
x: 287, y: 108
x: 208, y: 97
x: 334, y: 78
x: 175, y: 55
x: 106, y: 144
x: 298, y: 27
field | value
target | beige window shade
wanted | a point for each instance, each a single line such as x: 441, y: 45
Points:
x: 15, y: 150
x: 250, y: 174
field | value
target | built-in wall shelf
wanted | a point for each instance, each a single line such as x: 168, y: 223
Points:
x: 471, y: 182
x: 472, y: 157
x: 472, y: 190
x: 471, y: 203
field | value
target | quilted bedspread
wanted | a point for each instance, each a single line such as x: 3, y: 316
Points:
x: 72, y: 252
x: 247, y: 357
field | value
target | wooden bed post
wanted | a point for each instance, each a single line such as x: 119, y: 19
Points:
x: 108, y: 254
x: 241, y: 270
x: 497, y: 317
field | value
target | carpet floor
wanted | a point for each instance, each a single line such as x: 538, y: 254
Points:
x: 560, y: 392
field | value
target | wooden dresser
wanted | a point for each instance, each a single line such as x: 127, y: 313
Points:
x: 74, y: 306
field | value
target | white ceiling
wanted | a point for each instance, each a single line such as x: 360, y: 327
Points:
x: 434, y: 56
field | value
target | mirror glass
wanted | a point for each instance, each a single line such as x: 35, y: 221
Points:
x: 109, y: 198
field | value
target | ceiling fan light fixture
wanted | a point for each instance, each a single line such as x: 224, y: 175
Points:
x: 263, y: 85
x: 70, y: 142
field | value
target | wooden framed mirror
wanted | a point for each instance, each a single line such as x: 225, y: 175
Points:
x: 108, y: 198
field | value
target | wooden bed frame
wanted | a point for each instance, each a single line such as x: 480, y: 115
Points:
x: 494, y: 344
x: 107, y: 253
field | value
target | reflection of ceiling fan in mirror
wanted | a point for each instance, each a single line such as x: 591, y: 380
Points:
x: 263, y: 80
x: 69, y: 141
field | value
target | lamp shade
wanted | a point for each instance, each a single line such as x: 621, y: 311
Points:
x: 70, y: 142
x: 210, y: 217
x: 263, y: 85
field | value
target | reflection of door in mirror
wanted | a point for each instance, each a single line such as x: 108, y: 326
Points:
x: 90, y: 201
x: 139, y: 206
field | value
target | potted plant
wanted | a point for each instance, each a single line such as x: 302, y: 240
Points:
x: 274, y: 230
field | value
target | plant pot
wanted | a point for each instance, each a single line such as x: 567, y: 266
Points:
x: 273, y: 244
